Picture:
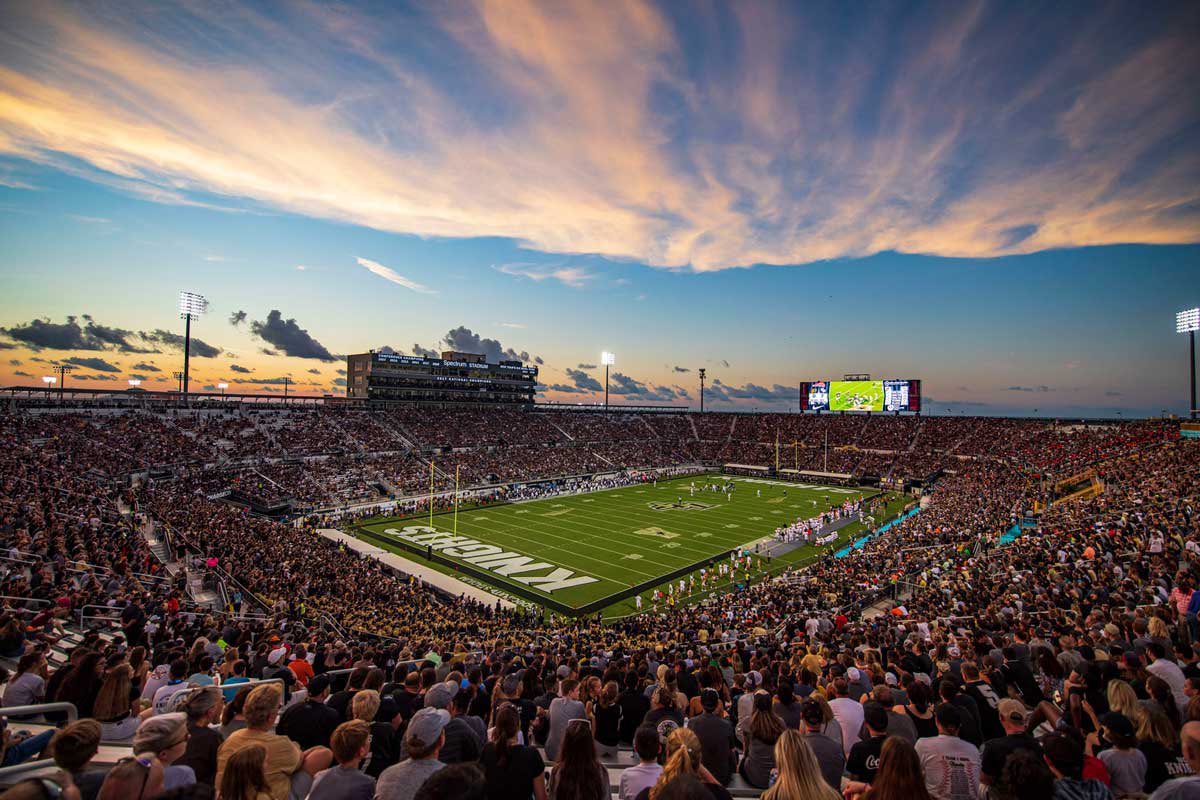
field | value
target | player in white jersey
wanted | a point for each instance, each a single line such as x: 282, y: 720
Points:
x: 639, y: 602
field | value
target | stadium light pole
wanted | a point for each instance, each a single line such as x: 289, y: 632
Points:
x: 49, y: 381
x: 702, y: 390
x: 178, y: 379
x: 63, y: 370
x: 191, y: 306
x: 1189, y: 322
x: 222, y: 386
x: 286, y: 381
x: 134, y: 383
x: 607, y: 359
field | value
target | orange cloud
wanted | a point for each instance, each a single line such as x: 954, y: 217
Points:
x: 590, y: 130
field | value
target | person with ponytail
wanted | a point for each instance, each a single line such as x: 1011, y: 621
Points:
x: 761, y: 735
x: 512, y: 771
x: 683, y: 763
x: 799, y: 774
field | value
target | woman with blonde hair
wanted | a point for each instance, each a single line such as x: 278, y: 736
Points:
x: 799, y: 773
x: 232, y: 655
x: 1159, y: 742
x: 683, y: 759
x: 1122, y: 698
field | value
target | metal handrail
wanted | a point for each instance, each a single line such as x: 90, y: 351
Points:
x: 26, y: 599
x: 38, y: 708
x: 71, y: 561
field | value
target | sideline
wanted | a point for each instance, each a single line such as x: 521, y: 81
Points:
x: 861, y: 542
x: 423, y: 573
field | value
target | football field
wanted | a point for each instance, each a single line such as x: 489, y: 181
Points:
x: 599, y: 549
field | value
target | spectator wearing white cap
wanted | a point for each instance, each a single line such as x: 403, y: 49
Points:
x: 423, y: 741
x: 752, y: 682
x: 277, y: 668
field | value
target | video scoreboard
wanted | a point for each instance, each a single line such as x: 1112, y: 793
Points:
x: 884, y: 395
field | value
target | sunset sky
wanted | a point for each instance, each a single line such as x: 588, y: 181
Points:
x: 1000, y: 199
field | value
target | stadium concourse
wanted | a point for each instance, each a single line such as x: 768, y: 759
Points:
x: 148, y: 614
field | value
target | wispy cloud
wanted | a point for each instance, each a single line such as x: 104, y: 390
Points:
x: 214, y: 258
x: 389, y: 274
x: 517, y: 325
x: 574, y: 276
x: 751, y: 135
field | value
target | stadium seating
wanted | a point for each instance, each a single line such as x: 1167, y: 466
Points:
x: 104, y: 511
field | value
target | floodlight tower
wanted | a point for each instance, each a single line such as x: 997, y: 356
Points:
x: 702, y: 390
x: 191, y: 306
x: 49, y: 381
x: 607, y: 359
x: 1189, y: 322
x: 63, y: 370
x: 134, y: 383
x: 178, y: 376
x: 222, y: 386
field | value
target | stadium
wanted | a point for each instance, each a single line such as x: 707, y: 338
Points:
x: 508, y: 401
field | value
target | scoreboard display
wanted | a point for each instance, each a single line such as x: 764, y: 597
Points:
x: 893, y: 394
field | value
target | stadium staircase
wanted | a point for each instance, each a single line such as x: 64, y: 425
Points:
x: 559, y: 428
x: 695, y: 431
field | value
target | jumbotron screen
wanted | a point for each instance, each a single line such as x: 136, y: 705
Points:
x: 885, y: 395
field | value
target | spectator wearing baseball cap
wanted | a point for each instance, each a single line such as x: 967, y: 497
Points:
x: 829, y: 753
x: 462, y: 743
x: 950, y: 764
x: 996, y: 752
x: 311, y: 723
x: 1126, y: 764
x: 423, y: 740
x: 715, y: 733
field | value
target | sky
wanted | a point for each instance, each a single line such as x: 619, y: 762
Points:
x: 1002, y: 200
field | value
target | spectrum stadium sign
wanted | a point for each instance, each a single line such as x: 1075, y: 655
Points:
x: 894, y: 394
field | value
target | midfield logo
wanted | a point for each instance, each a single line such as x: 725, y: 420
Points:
x: 686, y: 505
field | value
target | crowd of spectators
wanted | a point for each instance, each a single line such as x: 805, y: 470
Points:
x: 1065, y: 663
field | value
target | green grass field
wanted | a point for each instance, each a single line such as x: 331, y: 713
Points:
x: 584, y: 549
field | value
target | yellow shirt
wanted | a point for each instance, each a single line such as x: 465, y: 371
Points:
x: 283, y: 758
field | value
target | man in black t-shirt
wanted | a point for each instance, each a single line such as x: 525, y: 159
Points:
x: 311, y: 723
x: 996, y: 751
x: 863, y: 762
x: 133, y: 622
x: 715, y: 733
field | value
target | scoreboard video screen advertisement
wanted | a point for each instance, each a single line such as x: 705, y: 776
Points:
x: 884, y: 395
